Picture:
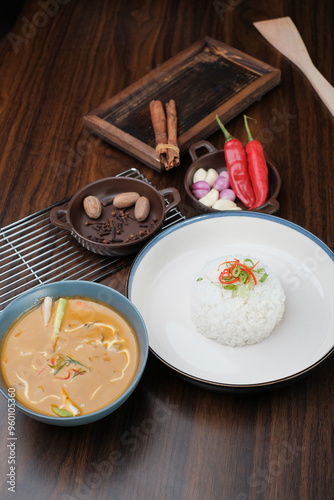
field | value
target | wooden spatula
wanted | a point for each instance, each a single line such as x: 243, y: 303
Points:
x: 284, y: 36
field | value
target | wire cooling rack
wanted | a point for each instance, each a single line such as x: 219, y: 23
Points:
x: 33, y: 252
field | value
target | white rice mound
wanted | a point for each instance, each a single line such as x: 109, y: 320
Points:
x: 235, y: 321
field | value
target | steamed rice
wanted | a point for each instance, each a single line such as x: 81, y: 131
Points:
x: 235, y: 320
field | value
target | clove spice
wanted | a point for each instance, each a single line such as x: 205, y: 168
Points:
x: 113, y: 228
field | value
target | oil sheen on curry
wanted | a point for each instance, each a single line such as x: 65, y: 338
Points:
x: 69, y: 357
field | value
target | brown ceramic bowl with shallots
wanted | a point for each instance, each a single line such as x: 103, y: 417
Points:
x: 116, y: 231
x: 214, y: 158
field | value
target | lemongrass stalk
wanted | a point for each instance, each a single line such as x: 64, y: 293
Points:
x: 60, y: 311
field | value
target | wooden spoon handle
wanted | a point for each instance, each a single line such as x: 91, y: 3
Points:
x: 323, y: 88
x: 285, y: 37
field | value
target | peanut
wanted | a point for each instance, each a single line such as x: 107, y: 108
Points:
x: 142, y: 208
x: 125, y: 200
x: 92, y: 207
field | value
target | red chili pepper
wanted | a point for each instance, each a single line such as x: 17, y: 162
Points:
x: 53, y: 361
x: 257, y: 168
x: 236, y: 163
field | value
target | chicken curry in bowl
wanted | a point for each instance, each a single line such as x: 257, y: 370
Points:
x: 69, y: 356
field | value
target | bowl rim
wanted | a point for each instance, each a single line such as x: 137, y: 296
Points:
x: 114, y: 405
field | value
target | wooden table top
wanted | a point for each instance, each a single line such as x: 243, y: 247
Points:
x: 171, y: 440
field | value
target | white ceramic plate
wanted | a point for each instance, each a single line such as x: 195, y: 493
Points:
x: 161, y: 278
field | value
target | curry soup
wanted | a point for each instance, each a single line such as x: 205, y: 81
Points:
x: 69, y: 357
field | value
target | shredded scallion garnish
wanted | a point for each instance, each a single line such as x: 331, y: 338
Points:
x: 240, y: 277
x: 60, y: 361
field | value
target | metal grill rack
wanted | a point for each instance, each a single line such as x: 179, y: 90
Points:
x: 33, y: 252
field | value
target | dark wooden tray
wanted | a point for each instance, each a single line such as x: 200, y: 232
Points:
x: 206, y: 79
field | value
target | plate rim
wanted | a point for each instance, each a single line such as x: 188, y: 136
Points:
x: 198, y: 218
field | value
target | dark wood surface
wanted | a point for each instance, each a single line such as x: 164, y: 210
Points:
x: 171, y: 440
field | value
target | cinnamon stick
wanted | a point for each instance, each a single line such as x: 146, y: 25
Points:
x: 173, y: 152
x: 159, y: 124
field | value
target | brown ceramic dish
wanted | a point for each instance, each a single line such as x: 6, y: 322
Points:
x: 214, y: 158
x: 73, y: 218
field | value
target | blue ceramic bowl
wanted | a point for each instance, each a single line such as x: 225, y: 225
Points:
x: 89, y: 290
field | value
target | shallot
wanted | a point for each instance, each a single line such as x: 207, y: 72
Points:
x: 213, y: 189
x: 221, y: 183
x: 200, y: 189
x: 227, y: 194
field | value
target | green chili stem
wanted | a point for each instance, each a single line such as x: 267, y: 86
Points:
x: 250, y: 137
x: 226, y: 133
